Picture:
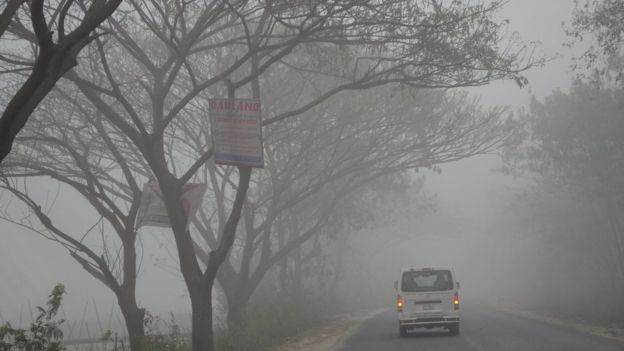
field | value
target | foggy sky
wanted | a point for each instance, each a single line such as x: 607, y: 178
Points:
x: 30, y: 265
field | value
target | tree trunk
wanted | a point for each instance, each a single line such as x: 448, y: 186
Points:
x: 283, y: 264
x: 133, y: 315
x: 296, y: 282
x: 283, y: 276
x: 237, y: 319
x: 201, y: 306
x: 200, y: 285
x: 339, y: 268
x: 134, y: 318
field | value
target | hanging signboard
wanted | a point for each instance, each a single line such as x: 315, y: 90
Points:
x: 237, y: 132
x: 152, y: 211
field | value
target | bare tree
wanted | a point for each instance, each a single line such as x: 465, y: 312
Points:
x: 79, y: 150
x: 35, y: 59
x: 317, y: 160
x: 165, y: 58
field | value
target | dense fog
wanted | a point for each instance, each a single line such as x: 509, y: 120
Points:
x: 512, y: 176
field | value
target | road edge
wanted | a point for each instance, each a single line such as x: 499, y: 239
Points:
x: 329, y: 336
x: 355, y: 327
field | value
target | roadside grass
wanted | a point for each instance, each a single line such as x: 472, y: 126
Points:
x: 272, y: 319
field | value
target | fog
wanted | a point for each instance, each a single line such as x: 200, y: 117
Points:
x: 468, y: 215
x: 467, y: 189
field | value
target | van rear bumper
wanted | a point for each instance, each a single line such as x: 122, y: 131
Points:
x: 429, y: 322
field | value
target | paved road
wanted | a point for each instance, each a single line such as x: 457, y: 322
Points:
x: 482, y: 329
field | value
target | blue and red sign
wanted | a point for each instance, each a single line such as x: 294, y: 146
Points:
x: 237, y: 132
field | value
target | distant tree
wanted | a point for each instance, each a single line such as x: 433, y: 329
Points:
x: 33, y: 60
x: 575, y: 142
x: 319, y: 263
x: 565, y: 242
x: 320, y: 161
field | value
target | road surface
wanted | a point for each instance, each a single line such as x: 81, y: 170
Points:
x: 482, y: 329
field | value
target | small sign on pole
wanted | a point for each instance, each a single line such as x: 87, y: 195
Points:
x: 237, y: 132
x: 152, y: 211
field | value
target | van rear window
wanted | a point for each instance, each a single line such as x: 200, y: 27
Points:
x: 430, y: 280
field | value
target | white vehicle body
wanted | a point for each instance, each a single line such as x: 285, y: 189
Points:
x: 427, y: 297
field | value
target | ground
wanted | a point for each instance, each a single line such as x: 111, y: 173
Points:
x: 326, y: 337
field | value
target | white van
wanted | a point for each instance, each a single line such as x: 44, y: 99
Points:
x: 428, y: 297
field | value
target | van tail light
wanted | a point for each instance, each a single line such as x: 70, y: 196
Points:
x: 456, y: 301
x: 399, y: 303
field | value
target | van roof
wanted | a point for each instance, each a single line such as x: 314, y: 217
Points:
x: 427, y: 268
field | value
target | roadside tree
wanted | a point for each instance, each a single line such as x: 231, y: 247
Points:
x: 32, y: 61
x: 320, y: 160
x: 163, y: 60
x: 69, y: 144
x: 574, y: 149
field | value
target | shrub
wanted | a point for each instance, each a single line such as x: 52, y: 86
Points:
x: 44, y: 333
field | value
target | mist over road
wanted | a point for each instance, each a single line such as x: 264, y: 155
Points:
x: 482, y: 329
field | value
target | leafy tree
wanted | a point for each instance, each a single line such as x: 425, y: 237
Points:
x: 44, y: 333
x: 563, y: 241
x: 602, y: 22
x: 575, y: 143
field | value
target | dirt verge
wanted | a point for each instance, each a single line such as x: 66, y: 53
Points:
x: 327, y: 337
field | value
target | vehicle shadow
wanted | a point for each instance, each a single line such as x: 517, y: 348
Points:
x: 426, y: 333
